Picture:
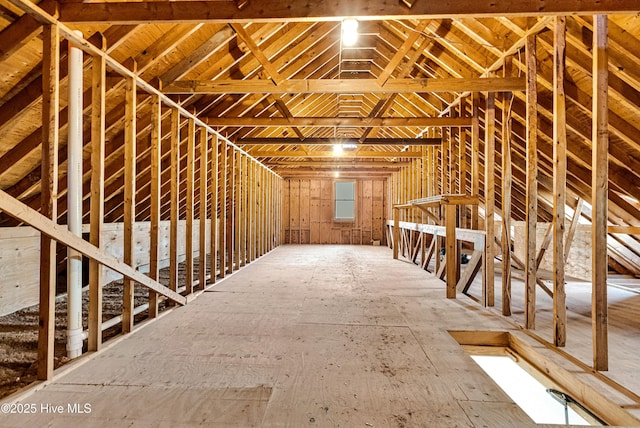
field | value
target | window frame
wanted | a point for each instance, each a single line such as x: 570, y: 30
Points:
x: 335, y: 200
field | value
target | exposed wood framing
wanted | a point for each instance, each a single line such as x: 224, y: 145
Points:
x: 155, y: 200
x: 189, y: 214
x: 599, y: 186
x: 174, y: 209
x: 48, y: 197
x: 215, y: 207
x: 332, y: 122
x: 222, y: 207
x: 204, y: 206
x: 488, y: 291
x: 130, y: 134
x: 507, y: 183
x: 532, y: 184
x: 344, y: 86
x: 299, y: 10
x: 475, y: 155
x: 559, y: 183
x: 97, y: 199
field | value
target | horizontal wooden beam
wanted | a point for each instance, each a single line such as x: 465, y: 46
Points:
x: 332, y: 122
x: 303, y: 10
x: 345, y: 86
x: 59, y: 233
x: 331, y: 170
x: 629, y: 230
x: 331, y: 154
x: 334, y: 164
x: 334, y: 141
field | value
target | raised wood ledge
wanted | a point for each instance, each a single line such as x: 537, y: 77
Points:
x: 445, y: 199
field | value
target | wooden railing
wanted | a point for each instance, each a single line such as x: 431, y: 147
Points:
x: 453, y: 236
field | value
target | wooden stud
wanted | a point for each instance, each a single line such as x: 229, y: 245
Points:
x: 223, y: 208
x: 215, y: 206
x: 237, y: 201
x: 191, y: 144
x: 507, y: 182
x: 396, y: 233
x: 245, y: 193
x: 250, y: 216
x: 96, y: 215
x: 532, y: 184
x: 452, y: 259
x: 488, y: 298
x: 559, y: 182
x: 599, y: 194
x: 204, y: 206
x: 155, y: 200
x: 230, y: 203
x: 174, y: 209
x: 49, y: 196
x: 130, y: 136
x: 475, y: 156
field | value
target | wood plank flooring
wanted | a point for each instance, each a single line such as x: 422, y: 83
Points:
x: 307, y: 336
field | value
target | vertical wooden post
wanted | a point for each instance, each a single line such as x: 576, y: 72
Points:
x: 532, y: 184
x: 49, y: 196
x: 452, y: 259
x: 599, y: 190
x: 462, y: 165
x: 96, y: 215
x: 174, y: 208
x: 507, y: 182
x: 130, y: 137
x: 250, y: 215
x: 191, y: 144
x: 155, y: 200
x: 223, y: 209
x: 489, y: 199
x: 559, y: 182
x: 396, y: 232
x: 204, y: 206
x: 237, y: 200
x: 245, y: 193
x: 213, y: 254
x: 231, y: 217
x: 453, y: 166
x: 475, y: 156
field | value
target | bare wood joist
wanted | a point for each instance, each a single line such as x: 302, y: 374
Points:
x: 333, y: 141
x: 331, y: 122
x: 345, y: 86
x: 302, y: 10
x: 331, y: 154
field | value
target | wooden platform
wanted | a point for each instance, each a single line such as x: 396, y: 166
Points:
x: 324, y: 336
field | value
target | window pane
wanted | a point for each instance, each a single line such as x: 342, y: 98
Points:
x: 344, y: 209
x: 345, y: 200
x: 345, y: 190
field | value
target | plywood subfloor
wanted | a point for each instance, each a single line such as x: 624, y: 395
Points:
x: 317, y: 336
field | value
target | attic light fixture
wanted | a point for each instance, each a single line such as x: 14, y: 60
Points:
x: 349, y: 31
x: 337, y: 149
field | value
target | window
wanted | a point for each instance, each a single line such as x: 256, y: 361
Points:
x: 345, y: 200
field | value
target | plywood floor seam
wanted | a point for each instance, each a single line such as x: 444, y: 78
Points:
x: 310, y: 336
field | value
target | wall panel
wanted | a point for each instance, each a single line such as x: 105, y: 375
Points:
x: 311, y: 213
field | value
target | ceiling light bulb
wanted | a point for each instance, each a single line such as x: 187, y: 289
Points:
x: 337, y: 149
x: 349, y: 31
x: 350, y: 25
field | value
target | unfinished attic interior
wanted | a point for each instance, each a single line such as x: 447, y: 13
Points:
x: 268, y: 213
